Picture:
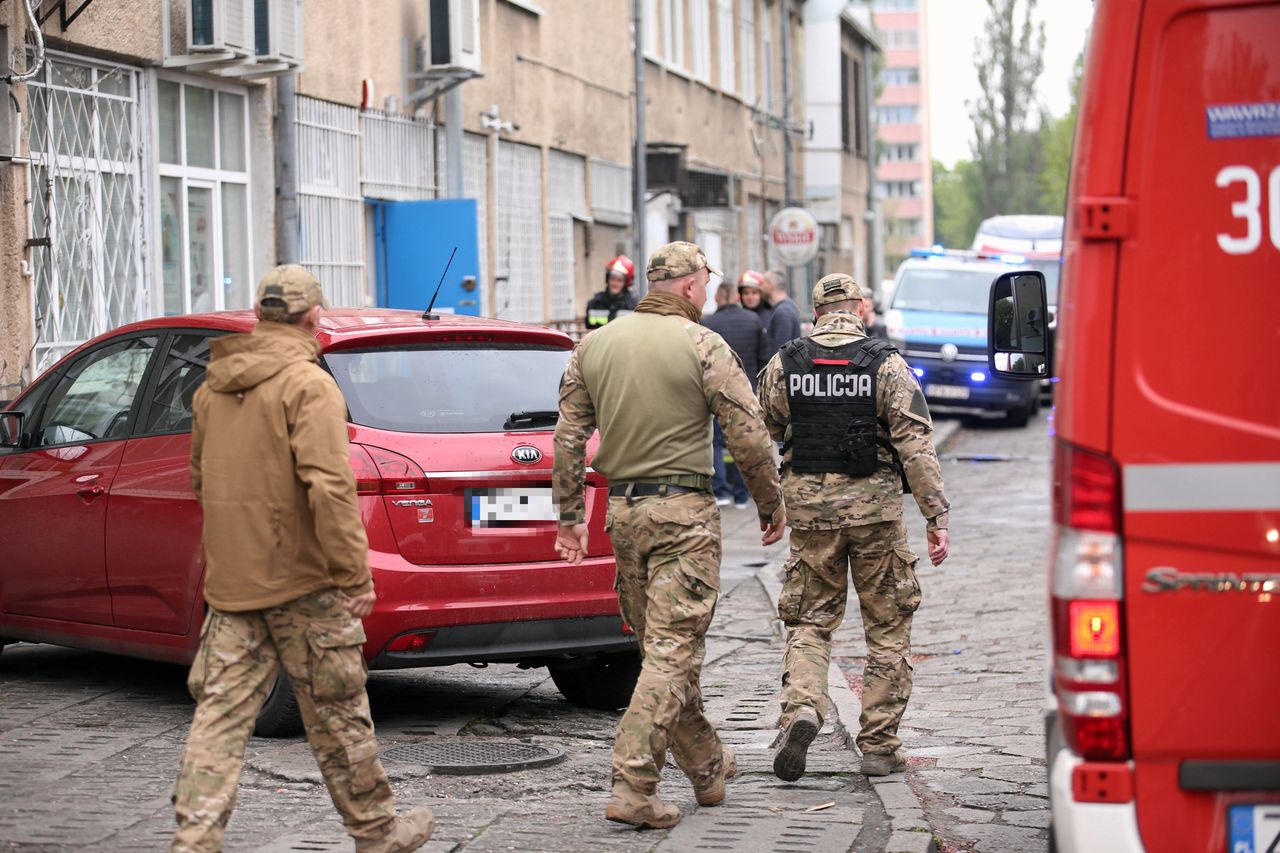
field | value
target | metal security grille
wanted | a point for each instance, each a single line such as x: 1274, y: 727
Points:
x: 562, y: 267
x: 397, y: 156
x: 567, y: 179
x: 724, y: 225
x: 611, y: 192
x: 518, y: 197
x: 330, y: 206
x: 568, y: 184
x: 475, y: 184
x: 86, y: 148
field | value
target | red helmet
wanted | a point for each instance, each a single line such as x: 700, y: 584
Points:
x: 621, y: 264
x: 751, y: 278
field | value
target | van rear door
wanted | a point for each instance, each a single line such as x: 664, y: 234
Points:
x: 1196, y: 424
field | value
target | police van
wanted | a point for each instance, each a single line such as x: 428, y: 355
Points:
x: 937, y: 319
x: 1164, y: 711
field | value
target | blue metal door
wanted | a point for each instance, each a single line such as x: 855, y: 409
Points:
x: 414, y: 240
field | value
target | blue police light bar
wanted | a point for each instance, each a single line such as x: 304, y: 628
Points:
x: 978, y: 376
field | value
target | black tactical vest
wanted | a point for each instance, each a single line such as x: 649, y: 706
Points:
x: 832, y: 395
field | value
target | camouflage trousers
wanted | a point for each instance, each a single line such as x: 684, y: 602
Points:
x: 319, y: 645
x: 812, y: 605
x: 668, y: 553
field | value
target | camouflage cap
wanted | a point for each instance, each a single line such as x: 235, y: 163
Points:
x: 836, y: 287
x: 292, y: 285
x: 676, y: 260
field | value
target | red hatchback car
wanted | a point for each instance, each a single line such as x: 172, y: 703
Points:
x: 451, y: 425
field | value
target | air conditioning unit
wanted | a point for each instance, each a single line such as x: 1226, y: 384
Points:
x: 453, y: 34
x: 218, y: 26
x: 278, y: 30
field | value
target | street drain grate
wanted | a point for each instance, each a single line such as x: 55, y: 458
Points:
x: 467, y: 756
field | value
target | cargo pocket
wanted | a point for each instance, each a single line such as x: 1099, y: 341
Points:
x: 907, y: 586
x: 694, y: 604
x: 199, y: 674
x: 337, y: 664
x: 363, y: 764
x: 794, y: 583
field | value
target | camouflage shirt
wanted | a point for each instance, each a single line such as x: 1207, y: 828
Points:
x: 651, y: 382
x: 826, y: 501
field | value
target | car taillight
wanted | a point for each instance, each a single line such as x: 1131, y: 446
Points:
x: 1087, y: 583
x: 415, y: 641
x: 382, y: 472
x: 367, y: 480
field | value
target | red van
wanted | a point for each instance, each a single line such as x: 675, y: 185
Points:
x: 1164, y: 728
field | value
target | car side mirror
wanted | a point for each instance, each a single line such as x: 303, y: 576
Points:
x: 11, y: 429
x: 1018, y: 334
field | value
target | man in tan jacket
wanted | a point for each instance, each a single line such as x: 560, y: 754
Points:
x: 286, y: 575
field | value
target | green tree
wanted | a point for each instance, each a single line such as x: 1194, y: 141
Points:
x: 1055, y: 146
x: 1006, y: 147
x: 956, y: 198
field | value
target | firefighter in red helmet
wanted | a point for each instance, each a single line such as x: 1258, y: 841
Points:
x: 616, y: 299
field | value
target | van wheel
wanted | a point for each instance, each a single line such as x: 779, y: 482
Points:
x: 604, y: 683
x: 279, y: 716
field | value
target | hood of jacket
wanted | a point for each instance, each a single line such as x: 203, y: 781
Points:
x: 240, y: 362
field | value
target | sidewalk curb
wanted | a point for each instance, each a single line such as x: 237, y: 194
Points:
x: 909, y: 832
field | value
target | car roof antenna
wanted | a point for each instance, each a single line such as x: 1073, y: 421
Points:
x: 427, y: 315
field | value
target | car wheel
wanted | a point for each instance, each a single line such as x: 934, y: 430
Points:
x: 603, y: 683
x: 279, y: 716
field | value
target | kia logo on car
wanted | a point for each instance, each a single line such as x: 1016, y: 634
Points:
x: 527, y: 454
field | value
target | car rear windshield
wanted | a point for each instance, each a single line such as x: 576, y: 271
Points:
x: 949, y: 291
x: 450, y: 388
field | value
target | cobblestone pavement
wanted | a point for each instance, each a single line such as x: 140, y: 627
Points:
x: 89, y: 745
x: 974, y: 731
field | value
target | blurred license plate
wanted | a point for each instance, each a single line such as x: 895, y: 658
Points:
x: 947, y: 392
x: 507, y: 507
x: 1254, y: 829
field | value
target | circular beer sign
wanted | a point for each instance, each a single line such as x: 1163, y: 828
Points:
x: 793, y: 235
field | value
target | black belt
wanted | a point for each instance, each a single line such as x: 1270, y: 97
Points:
x: 648, y: 490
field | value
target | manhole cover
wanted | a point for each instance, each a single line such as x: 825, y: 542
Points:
x: 464, y: 756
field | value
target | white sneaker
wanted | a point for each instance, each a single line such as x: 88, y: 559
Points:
x: 723, y: 501
x: 742, y: 505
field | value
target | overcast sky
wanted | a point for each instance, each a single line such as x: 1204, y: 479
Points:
x: 953, y: 25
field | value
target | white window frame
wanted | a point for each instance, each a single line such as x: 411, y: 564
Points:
x: 700, y: 39
x: 652, y: 31
x: 726, y: 28
x: 766, y: 58
x: 747, y: 49
x: 200, y: 177
x: 673, y: 33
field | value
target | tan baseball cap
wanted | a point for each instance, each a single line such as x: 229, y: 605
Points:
x: 291, y: 285
x: 836, y: 287
x: 678, y: 259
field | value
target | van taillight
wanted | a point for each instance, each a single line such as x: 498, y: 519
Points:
x: 1086, y: 490
x: 1087, y: 584
x: 382, y: 472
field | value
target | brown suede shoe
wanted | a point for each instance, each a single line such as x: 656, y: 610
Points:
x: 409, y: 832
x: 789, y: 759
x: 635, y: 809
x: 712, y: 793
x: 874, y: 764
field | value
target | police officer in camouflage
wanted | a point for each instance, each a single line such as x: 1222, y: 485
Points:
x: 855, y: 429
x: 286, y: 575
x: 651, y: 382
